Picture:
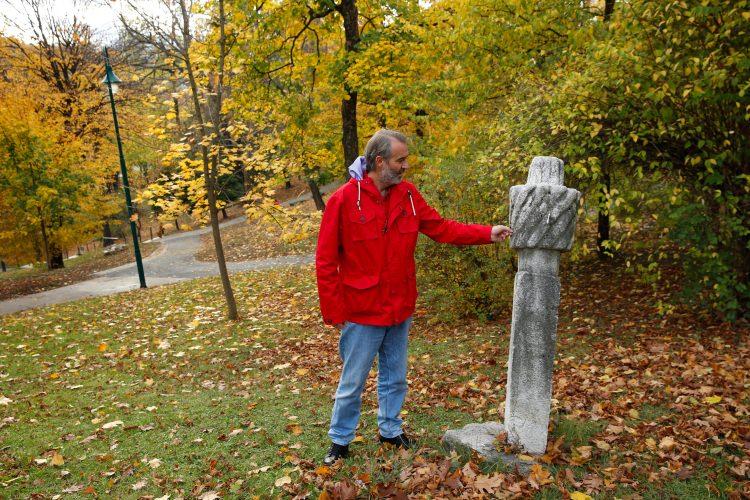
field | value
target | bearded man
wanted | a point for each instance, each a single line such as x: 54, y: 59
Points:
x: 367, y: 285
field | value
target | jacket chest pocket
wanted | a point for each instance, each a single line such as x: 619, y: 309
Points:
x: 407, y: 223
x: 363, y: 225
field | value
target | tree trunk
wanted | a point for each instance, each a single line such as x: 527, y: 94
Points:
x: 224, y: 215
x: 319, y: 203
x: 609, y: 7
x: 210, y: 173
x: 419, y: 126
x: 107, y: 235
x: 177, y: 114
x: 245, y: 179
x: 56, y: 256
x: 2, y: 264
x: 603, y: 223
x: 349, y: 137
x: 45, y: 241
x: 37, y: 249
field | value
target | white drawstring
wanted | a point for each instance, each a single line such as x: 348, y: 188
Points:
x: 412, y: 203
x: 359, y: 194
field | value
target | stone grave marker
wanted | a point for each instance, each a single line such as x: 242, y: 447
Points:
x: 543, y: 215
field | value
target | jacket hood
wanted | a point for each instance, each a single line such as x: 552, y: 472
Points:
x: 358, y: 168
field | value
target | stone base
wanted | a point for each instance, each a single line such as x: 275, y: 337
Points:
x: 481, y: 438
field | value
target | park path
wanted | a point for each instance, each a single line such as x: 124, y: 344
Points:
x: 173, y: 262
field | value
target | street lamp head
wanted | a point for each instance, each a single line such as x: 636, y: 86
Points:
x: 112, y: 79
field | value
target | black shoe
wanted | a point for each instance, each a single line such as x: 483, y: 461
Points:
x: 335, y: 452
x: 400, y: 441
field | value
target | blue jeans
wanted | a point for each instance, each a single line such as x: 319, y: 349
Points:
x: 358, y: 345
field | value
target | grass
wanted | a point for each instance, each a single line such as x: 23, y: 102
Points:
x: 72, y: 368
x: 236, y: 408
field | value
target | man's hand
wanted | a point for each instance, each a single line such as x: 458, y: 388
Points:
x: 500, y: 233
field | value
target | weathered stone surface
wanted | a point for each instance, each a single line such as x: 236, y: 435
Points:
x: 481, y: 438
x: 546, y: 170
x: 543, y: 216
x: 536, y: 298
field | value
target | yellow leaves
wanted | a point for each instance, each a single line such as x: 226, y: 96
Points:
x: 712, y: 400
x: 595, y: 128
x: 102, y: 347
x: 577, y: 495
x: 57, y: 460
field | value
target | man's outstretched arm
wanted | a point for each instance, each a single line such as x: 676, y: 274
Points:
x: 453, y: 232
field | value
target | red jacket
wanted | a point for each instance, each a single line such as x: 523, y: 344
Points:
x: 365, y: 255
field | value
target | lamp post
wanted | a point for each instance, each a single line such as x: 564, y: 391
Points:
x: 112, y: 86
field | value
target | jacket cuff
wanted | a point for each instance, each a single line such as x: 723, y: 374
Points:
x: 488, y: 235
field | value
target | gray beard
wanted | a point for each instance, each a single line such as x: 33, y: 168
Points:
x: 390, y: 178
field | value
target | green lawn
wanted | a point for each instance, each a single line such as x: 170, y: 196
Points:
x: 152, y: 393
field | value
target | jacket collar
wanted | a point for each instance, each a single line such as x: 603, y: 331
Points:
x: 368, y: 186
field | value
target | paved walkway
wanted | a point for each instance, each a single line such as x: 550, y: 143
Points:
x: 173, y: 262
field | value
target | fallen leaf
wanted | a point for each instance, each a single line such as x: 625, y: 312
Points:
x: 112, y: 425
x: 667, y: 443
x: 282, y: 481
x: 577, y: 495
x: 294, y: 429
x: 73, y: 489
x: 323, y: 471
x: 57, y: 460
x: 489, y: 484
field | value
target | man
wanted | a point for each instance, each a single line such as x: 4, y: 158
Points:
x: 366, y: 281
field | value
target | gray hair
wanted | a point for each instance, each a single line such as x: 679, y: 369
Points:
x: 380, y: 145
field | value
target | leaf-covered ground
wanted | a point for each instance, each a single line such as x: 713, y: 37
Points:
x: 151, y: 393
x: 20, y: 282
x: 254, y: 240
